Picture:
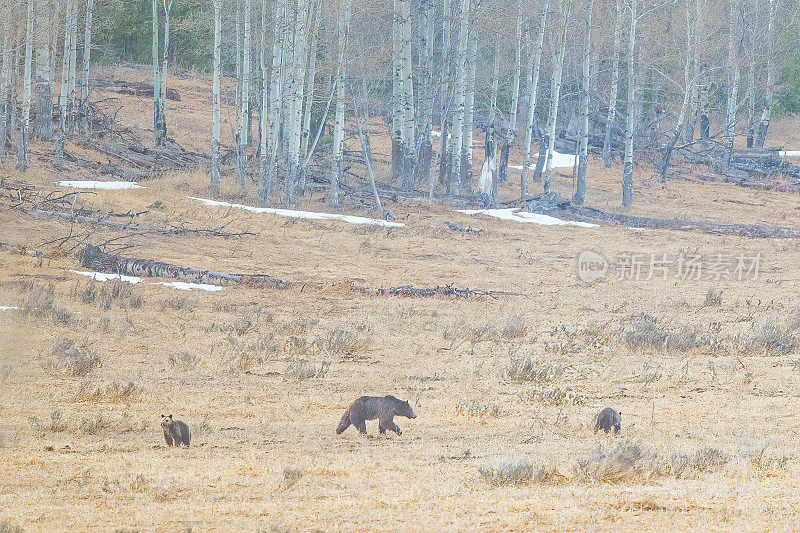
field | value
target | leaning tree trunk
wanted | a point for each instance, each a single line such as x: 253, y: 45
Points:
x: 338, y: 123
x: 22, y: 152
x: 512, y: 127
x: 687, y: 93
x: 64, y: 94
x: 533, y: 83
x: 583, y: 144
x: 612, y: 97
x: 557, y: 74
x: 769, y: 90
x: 627, y: 172
x: 215, y: 107
x: 87, y: 52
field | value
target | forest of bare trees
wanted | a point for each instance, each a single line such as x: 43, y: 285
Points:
x: 634, y: 82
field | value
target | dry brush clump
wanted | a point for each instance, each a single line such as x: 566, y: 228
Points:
x: 511, y: 327
x: 517, y: 471
x: 291, y: 475
x: 555, y: 396
x: 183, y: 361
x: 529, y: 370
x: 178, y: 303
x: 478, y: 408
x: 301, y: 370
x: 90, y: 391
x: 68, y: 359
x: 9, y: 527
x: 644, y: 332
x: 39, y: 302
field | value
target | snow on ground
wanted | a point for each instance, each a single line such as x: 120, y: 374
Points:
x: 102, y: 276
x: 517, y: 215
x: 302, y: 214
x: 182, y: 285
x: 8, y: 307
x: 790, y: 153
x: 436, y: 133
x: 114, y: 185
x: 559, y: 161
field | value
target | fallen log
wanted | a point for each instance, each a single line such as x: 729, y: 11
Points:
x: 557, y: 206
x: 407, y: 291
x: 93, y: 258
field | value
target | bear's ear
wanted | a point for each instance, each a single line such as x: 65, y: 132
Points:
x: 163, y: 416
x: 170, y: 417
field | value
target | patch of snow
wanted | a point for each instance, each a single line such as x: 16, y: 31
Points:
x: 436, y: 133
x: 517, y: 215
x: 8, y: 307
x: 302, y: 214
x: 102, y: 276
x: 183, y: 286
x: 559, y: 161
x: 113, y: 185
x: 790, y: 153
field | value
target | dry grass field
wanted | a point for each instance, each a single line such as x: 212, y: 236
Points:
x: 505, y: 386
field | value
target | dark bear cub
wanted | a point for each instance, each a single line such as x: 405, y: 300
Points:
x: 175, y: 431
x: 372, y: 407
x: 608, y: 420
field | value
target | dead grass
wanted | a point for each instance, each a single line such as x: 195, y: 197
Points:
x: 696, y: 376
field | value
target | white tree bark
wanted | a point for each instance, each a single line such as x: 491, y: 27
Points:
x: 156, y: 79
x: 583, y: 143
x: 162, y: 100
x: 556, y: 94
x: 215, y: 94
x: 43, y: 125
x: 469, y: 114
x: 296, y: 87
x: 268, y: 168
x: 64, y: 93
x: 242, y: 134
x: 769, y: 90
x: 533, y: 78
x: 72, y: 106
x: 460, y: 96
x: 407, y: 97
x: 444, y: 102
x: 627, y: 173
x: 733, y: 75
x: 25, y: 120
x: 512, y: 119
x: 398, y: 115
x: 87, y: 54
x: 338, y: 124
x: 612, y: 98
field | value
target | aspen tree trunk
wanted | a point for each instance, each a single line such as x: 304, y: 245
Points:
x: 6, y: 106
x: 87, y: 52
x: 583, y: 144
x: 557, y: 74
x: 512, y: 123
x: 733, y: 76
x: 705, y: 121
x: 769, y: 90
x: 694, y: 99
x: 162, y: 100
x: 612, y: 98
x: 460, y: 96
x: 64, y: 94
x: 25, y: 120
x: 73, y: 62
x: 533, y: 82
x: 268, y: 167
x: 310, y: 84
x: 750, y: 21
x: 407, y: 95
x: 398, y: 116
x: 242, y: 133
x: 43, y: 108
x: 363, y: 137
x: 53, y: 35
x: 627, y: 173
x: 338, y: 124
x: 427, y: 81
x: 469, y: 114
x: 156, y: 80
x: 440, y: 158
x: 215, y: 106
x: 486, y: 184
x: 297, y: 84
x: 238, y: 31
x: 687, y: 93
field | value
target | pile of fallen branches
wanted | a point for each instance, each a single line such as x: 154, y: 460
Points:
x: 407, y: 291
